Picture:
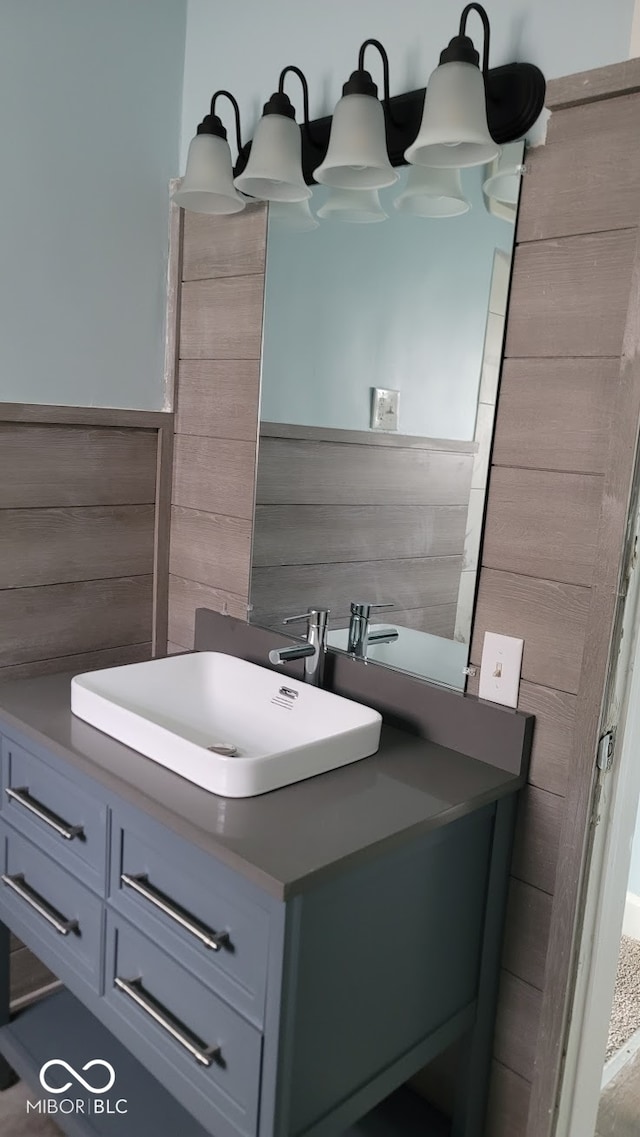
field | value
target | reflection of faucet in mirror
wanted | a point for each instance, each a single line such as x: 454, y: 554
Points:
x: 313, y: 651
x: 360, y: 635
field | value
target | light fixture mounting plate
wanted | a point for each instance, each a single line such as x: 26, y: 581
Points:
x: 515, y: 98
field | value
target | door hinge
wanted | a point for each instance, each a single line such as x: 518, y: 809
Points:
x: 606, y: 746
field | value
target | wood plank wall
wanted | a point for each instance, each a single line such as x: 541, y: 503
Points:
x: 560, y: 480
x: 78, y: 554
x: 77, y: 520
x: 216, y: 427
x: 333, y: 517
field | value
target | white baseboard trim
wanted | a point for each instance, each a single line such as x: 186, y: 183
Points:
x: 631, y: 925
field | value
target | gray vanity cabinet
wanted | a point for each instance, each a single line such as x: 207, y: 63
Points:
x: 247, y: 1013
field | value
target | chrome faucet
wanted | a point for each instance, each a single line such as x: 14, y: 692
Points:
x: 313, y: 651
x: 360, y: 635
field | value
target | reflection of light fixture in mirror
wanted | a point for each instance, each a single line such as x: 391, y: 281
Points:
x: 357, y: 156
x: 431, y: 192
x: 501, y: 187
x: 501, y: 209
x: 207, y: 186
x: 293, y: 216
x: 454, y: 130
x: 357, y: 206
x: 503, y: 178
x: 274, y: 169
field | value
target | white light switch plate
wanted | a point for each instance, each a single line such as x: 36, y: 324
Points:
x: 500, y: 669
x: 385, y: 406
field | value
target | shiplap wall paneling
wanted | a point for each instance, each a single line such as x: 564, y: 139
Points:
x: 547, y: 575
x: 222, y: 264
x: 79, y: 517
x: 77, y: 524
x: 337, y: 520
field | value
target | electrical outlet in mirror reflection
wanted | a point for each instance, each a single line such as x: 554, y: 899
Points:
x: 385, y: 407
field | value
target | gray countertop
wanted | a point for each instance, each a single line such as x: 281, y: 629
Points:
x: 283, y: 840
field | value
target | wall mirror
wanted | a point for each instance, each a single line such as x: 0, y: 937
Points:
x: 383, y: 334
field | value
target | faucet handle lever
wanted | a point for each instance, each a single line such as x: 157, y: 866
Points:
x: 364, y: 608
x: 313, y: 612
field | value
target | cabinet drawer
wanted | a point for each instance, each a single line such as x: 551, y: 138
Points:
x: 59, y: 919
x: 63, y: 820
x: 193, y: 908
x: 205, y: 1053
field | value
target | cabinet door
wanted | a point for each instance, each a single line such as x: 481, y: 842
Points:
x: 54, y: 915
x: 197, y: 1046
x: 66, y: 822
x: 193, y: 907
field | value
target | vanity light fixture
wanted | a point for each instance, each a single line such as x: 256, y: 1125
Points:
x: 274, y: 169
x: 356, y: 206
x: 207, y: 186
x: 464, y: 117
x: 357, y: 156
x: 431, y: 192
x: 454, y: 130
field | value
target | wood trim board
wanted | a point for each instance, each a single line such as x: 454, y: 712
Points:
x: 83, y: 416
x: 600, y: 83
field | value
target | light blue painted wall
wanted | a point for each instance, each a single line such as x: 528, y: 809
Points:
x: 89, y: 122
x: 244, y: 46
x: 399, y: 304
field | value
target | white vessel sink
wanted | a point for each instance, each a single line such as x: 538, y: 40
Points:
x: 175, y: 710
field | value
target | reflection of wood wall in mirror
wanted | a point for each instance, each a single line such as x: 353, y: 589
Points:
x: 221, y: 286
x: 348, y: 515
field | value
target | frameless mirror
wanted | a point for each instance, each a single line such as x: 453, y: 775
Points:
x: 383, y: 329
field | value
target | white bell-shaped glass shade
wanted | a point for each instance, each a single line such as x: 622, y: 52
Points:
x: 357, y: 155
x: 292, y: 216
x: 207, y: 186
x: 358, y: 207
x: 504, y: 176
x: 430, y: 192
x: 274, y: 169
x: 454, y: 130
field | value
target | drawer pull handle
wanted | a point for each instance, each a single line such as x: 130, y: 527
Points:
x: 140, y: 884
x: 19, y: 885
x: 21, y: 794
x: 133, y: 988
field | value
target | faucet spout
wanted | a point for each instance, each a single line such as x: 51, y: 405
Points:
x: 383, y: 636
x: 281, y: 655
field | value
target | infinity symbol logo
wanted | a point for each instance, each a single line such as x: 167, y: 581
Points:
x: 78, y: 1077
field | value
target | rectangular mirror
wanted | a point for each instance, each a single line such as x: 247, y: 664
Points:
x: 383, y: 334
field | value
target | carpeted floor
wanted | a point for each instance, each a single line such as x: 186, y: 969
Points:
x: 14, y: 1120
x: 625, y: 1013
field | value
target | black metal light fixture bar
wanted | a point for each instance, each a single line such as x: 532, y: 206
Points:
x: 515, y: 95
